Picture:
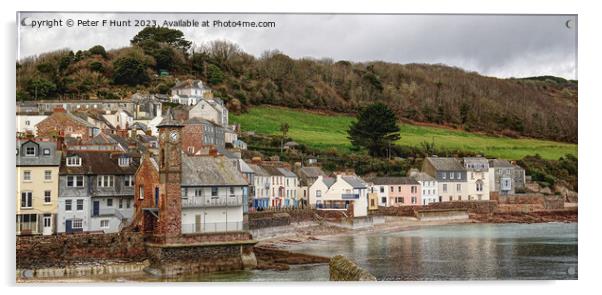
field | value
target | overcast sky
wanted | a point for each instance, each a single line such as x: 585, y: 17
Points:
x: 493, y: 45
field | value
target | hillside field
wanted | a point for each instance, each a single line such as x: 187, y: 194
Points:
x: 326, y: 131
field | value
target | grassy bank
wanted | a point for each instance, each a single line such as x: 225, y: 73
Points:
x: 327, y: 131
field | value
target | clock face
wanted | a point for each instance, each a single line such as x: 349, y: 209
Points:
x: 173, y: 136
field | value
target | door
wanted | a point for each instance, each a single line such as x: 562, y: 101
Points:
x: 47, y: 222
x: 197, y: 223
x: 96, y: 208
x: 69, y: 226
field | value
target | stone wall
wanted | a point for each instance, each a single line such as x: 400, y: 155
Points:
x: 546, y: 201
x: 398, y: 211
x: 481, y: 207
x: 188, y: 239
x: 265, y: 219
x: 66, y: 249
x: 343, y: 269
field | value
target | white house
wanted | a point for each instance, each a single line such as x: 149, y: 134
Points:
x: 477, y: 176
x: 212, y: 194
x: 190, y: 92
x: 328, y: 193
x: 429, y: 186
x: 120, y: 119
x: 212, y: 110
x: 26, y: 122
x: 291, y: 186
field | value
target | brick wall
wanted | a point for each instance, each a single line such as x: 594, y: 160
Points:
x: 482, y: 207
x: 192, y: 136
x: 66, y: 249
x: 203, y: 238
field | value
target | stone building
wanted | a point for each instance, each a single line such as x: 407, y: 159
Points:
x: 62, y: 123
x: 37, y: 186
x: 505, y: 177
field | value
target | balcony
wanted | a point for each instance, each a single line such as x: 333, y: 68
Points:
x: 213, y: 227
x: 350, y: 196
x: 219, y: 201
x: 107, y: 212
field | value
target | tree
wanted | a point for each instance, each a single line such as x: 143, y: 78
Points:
x: 130, y: 71
x: 214, y: 75
x: 375, y: 129
x: 98, y: 50
x: 284, y: 129
x: 174, y: 38
x: 40, y: 87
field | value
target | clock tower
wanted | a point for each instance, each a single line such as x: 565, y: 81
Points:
x: 170, y: 170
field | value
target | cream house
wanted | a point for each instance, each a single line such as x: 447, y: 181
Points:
x: 37, y: 187
x: 329, y: 193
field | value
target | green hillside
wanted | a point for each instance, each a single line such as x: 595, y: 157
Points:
x: 325, y: 131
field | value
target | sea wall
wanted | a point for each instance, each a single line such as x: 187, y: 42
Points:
x: 34, y: 252
x: 283, y: 217
x: 546, y: 201
x: 343, y: 269
x: 442, y: 214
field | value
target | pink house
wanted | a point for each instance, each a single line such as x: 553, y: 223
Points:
x: 400, y: 191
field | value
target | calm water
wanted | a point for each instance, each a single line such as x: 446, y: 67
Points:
x: 450, y: 252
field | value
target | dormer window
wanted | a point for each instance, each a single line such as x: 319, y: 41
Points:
x: 124, y: 161
x: 46, y: 152
x: 74, y: 161
x: 30, y: 151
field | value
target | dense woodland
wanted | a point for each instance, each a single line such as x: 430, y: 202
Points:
x: 540, y: 107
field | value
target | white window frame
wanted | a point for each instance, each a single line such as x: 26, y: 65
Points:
x: 46, y: 152
x: 106, y: 223
x: 27, y: 175
x: 28, y: 199
x: 47, y: 194
x: 33, y: 151
x: 128, y: 181
x: 77, y: 203
x: 105, y: 180
x: 47, y: 175
x: 68, y: 205
x: 74, y: 161
x: 77, y: 223
x: 124, y: 161
x: 74, y: 180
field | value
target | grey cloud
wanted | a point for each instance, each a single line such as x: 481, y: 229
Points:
x: 494, y: 45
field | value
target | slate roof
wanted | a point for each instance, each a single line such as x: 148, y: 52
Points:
x: 498, y: 163
x: 258, y: 170
x: 394, y: 180
x: 210, y: 171
x: 329, y: 181
x: 286, y: 172
x: 272, y: 171
x: 98, y: 163
x: 168, y: 120
x: 445, y: 163
x: 244, y: 167
x: 421, y: 176
x: 311, y: 172
x: 354, y: 181
x: 64, y: 115
x: 53, y: 160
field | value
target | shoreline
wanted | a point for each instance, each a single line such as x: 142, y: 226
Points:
x: 280, y: 243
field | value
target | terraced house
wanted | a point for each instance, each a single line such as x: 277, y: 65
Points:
x: 450, y: 175
x: 477, y: 178
x: 402, y: 191
x: 37, y: 186
x: 96, y: 191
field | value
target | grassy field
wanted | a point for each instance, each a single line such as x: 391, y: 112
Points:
x: 326, y: 131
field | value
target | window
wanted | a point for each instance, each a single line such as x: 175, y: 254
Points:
x: 392, y: 189
x: 68, y: 204
x: 451, y: 175
x: 27, y: 123
x: 383, y: 200
x: 120, y: 203
x: 77, y: 223
x: 479, y: 186
x: 458, y: 175
x: 47, y: 220
x: 450, y: 198
x: 128, y: 204
x: 459, y: 198
x: 191, y: 149
x: 318, y: 193
x: 30, y: 151
x: 74, y: 161
x: 105, y: 180
x: 399, y: 189
x: 413, y: 200
x: 26, y: 200
x: 231, y: 190
x: 104, y: 223
x: 47, y: 175
x: 459, y: 187
x: 443, y: 175
x: 214, y: 191
x: 399, y: 200
x: 75, y: 181
x: 141, y: 193
x: 382, y: 189
x: 46, y: 152
x: 414, y: 189
x: 128, y: 181
x: 26, y: 175
x: 198, y: 192
x: 445, y: 188
x: 124, y: 161
x: 79, y: 205
x: 47, y: 196
x: 109, y: 202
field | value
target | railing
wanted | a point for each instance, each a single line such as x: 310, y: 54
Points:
x: 108, y: 212
x: 350, y: 196
x: 213, y: 227
x: 220, y: 201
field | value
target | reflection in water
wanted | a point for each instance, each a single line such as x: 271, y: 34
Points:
x: 461, y: 252
x: 450, y: 252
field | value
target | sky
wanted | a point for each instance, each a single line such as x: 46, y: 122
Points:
x: 493, y: 45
